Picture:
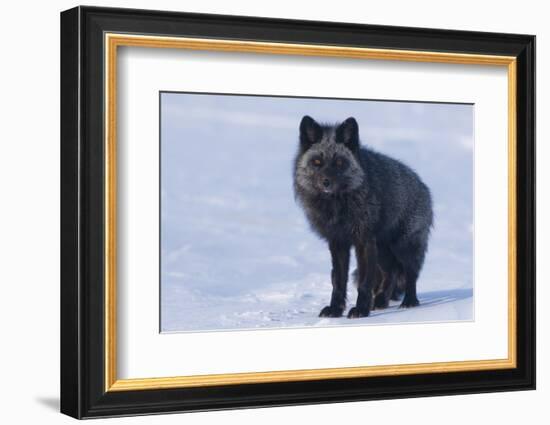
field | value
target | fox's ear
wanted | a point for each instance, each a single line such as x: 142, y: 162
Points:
x: 310, y: 132
x: 348, y: 134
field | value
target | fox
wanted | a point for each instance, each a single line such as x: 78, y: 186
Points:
x: 356, y: 197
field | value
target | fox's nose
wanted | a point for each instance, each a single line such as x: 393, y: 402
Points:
x: 326, y: 182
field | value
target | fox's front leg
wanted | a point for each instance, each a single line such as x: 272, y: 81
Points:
x: 367, y: 262
x: 340, y: 253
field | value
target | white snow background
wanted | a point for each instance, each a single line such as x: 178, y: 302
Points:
x: 236, y: 250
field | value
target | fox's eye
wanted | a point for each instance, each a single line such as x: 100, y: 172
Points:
x: 317, y: 162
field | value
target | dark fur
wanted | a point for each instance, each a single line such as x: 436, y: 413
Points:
x: 356, y: 197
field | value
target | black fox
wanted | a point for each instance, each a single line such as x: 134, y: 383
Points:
x: 356, y: 197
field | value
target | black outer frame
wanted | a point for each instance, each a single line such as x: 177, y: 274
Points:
x: 82, y: 220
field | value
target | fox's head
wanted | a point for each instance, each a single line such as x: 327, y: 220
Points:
x: 328, y: 158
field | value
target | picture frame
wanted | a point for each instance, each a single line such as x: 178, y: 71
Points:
x: 91, y: 37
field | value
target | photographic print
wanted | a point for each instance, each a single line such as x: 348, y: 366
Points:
x: 285, y: 212
x: 339, y: 184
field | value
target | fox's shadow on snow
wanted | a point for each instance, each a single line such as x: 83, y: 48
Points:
x: 430, y: 299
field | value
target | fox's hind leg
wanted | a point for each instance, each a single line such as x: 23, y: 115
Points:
x: 390, y: 270
x: 410, y: 253
x: 410, y: 299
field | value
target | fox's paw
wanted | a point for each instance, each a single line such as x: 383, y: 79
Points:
x: 409, y: 302
x: 355, y: 312
x: 330, y: 311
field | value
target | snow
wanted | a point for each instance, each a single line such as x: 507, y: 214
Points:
x: 236, y: 250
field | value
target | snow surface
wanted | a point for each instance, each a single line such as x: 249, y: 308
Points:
x: 236, y: 250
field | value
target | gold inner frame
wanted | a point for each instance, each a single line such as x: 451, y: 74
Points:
x: 113, y: 41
